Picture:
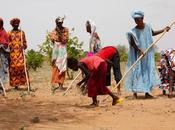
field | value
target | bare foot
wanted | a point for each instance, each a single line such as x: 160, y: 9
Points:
x: 94, y: 104
x: 170, y: 95
x: 148, y: 96
x: 135, y: 95
x: 114, y: 101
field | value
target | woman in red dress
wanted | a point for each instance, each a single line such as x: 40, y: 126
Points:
x: 95, y: 69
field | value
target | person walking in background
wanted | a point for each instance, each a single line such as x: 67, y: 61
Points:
x: 4, y: 53
x: 59, y: 36
x: 144, y: 75
x: 17, y: 43
x: 94, y: 42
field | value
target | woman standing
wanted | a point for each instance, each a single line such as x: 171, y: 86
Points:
x: 144, y: 76
x: 17, y: 42
x: 4, y: 52
x: 59, y: 36
x: 94, y: 43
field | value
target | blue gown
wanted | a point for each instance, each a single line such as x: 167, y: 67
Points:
x: 144, y: 75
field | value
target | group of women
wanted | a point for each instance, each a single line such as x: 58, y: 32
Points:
x: 96, y: 66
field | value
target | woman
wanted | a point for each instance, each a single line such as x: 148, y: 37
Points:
x: 17, y: 43
x: 59, y: 36
x: 4, y: 52
x: 95, y: 69
x: 144, y: 76
x: 170, y: 63
x: 94, y: 43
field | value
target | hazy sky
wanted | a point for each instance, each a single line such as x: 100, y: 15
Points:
x: 112, y: 18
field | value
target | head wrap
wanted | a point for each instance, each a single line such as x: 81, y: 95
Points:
x: 168, y: 51
x: 60, y: 19
x: 1, y: 21
x: 14, y: 20
x: 92, y: 24
x: 137, y: 14
x: 162, y: 53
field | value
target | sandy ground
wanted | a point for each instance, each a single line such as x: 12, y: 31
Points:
x: 43, y: 111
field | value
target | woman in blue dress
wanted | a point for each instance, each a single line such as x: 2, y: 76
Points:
x: 144, y: 75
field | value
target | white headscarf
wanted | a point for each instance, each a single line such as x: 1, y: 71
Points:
x: 93, y: 40
x: 92, y: 24
x: 60, y: 19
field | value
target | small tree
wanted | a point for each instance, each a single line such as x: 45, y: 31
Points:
x: 34, y: 59
x: 123, y: 52
x: 74, y: 48
x: 157, y: 54
x: 46, y: 48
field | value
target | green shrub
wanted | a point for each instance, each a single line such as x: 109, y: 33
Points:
x: 74, y: 49
x: 34, y: 59
x: 46, y: 48
x: 123, y: 51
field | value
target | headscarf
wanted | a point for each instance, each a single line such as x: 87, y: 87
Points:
x: 94, y: 43
x: 60, y: 19
x: 1, y: 21
x: 137, y: 14
x: 92, y: 24
x: 14, y: 20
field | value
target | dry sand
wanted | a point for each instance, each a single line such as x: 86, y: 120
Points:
x: 43, y: 111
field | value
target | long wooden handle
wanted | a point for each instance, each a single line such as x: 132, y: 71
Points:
x: 25, y: 66
x: 2, y: 85
x: 71, y: 83
x: 141, y: 56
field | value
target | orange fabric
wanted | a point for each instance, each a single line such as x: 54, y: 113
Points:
x: 59, y: 35
x: 56, y: 77
x: 16, y: 66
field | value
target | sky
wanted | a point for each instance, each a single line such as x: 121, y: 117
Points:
x: 112, y: 18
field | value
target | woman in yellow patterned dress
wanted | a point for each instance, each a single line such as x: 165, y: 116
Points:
x: 17, y: 42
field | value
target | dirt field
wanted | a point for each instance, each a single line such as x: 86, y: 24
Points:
x: 43, y: 111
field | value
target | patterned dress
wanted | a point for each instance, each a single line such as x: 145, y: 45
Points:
x: 17, y: 42
x: 59, y: 54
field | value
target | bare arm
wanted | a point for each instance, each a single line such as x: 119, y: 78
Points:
x: 85, y: 71
x: 154, y: 33
x: 133, y: 44
x: 24, y: 40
